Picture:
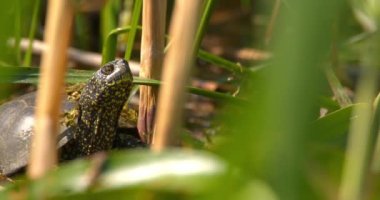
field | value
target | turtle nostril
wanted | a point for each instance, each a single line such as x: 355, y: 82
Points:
x: 107, y: 70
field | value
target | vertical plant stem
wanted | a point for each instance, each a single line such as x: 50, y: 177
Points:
x: 376, y: 128
x: 134, y: 23
x: 208, y: 5
x: 18, y: 30
x: 270, y: 139
x: 152, y: 53
x: 125, y: 17
x: 28, y: 54
x: 177, y: 67
x: 361, y: 136
x: 109, y: 18
x: 109, y: 46
x: 58, y: 29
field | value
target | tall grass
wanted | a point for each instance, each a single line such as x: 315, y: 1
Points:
x: 273, y: 143
x: 269, y: 138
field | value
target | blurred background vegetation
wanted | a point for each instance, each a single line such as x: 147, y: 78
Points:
x: 282, y: 104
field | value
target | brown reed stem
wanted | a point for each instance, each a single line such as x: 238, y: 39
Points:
x: 152, y: 52
x: 177, y: 67
x: 57, y: 36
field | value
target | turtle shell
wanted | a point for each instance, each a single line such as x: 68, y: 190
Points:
x: 16, y: 129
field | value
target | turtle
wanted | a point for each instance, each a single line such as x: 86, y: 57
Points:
x: 94, y: 129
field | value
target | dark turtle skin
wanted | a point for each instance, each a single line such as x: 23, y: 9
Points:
x: 99, y: 107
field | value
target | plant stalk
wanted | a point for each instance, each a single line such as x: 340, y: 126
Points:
x: 177, y: 67
x: 152, y: 53
x: 58, y: 29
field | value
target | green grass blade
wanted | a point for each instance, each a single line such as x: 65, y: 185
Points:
x: 208, y: 5
x: 193, y: 90
x: 109, y: 46
x: 30, y: 75
x: 361, y: 140
x: 334, y: 124
x: 269, y: 137
x: 7, y: 22
x: 137, y: 7
x: 109, y: 18
x: 147, y: 172
x: 15, y: 74
x: 376, y: 132
x: 33, y: 27
x: 109, y: 52
x: 221, y: 62
x: 17, y: 28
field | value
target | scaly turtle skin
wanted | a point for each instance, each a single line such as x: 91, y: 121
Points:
x: 98, y: 109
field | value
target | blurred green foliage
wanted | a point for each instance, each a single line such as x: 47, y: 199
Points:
x: 274, y: 143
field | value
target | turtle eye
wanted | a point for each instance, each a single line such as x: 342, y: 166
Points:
x: 107, y: 70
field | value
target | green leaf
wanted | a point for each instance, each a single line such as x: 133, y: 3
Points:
x: 173, y: 171
x: 33, y: 27
x: 109, y: 17
x: 208, y: 6
x: 30, y: 75
x: 221, y: 62
x: 193, y: 90
x: 137, y: 7
x: 109, y: 46
x: 334, y: 124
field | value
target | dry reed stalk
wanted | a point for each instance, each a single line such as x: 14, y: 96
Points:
x: 57, y: 36
x: 152, y: 52
x: 177, y: 67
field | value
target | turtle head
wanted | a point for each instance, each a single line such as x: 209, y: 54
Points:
x: 109, y: 86
x: 114, y: 73
x: 100, y: 104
